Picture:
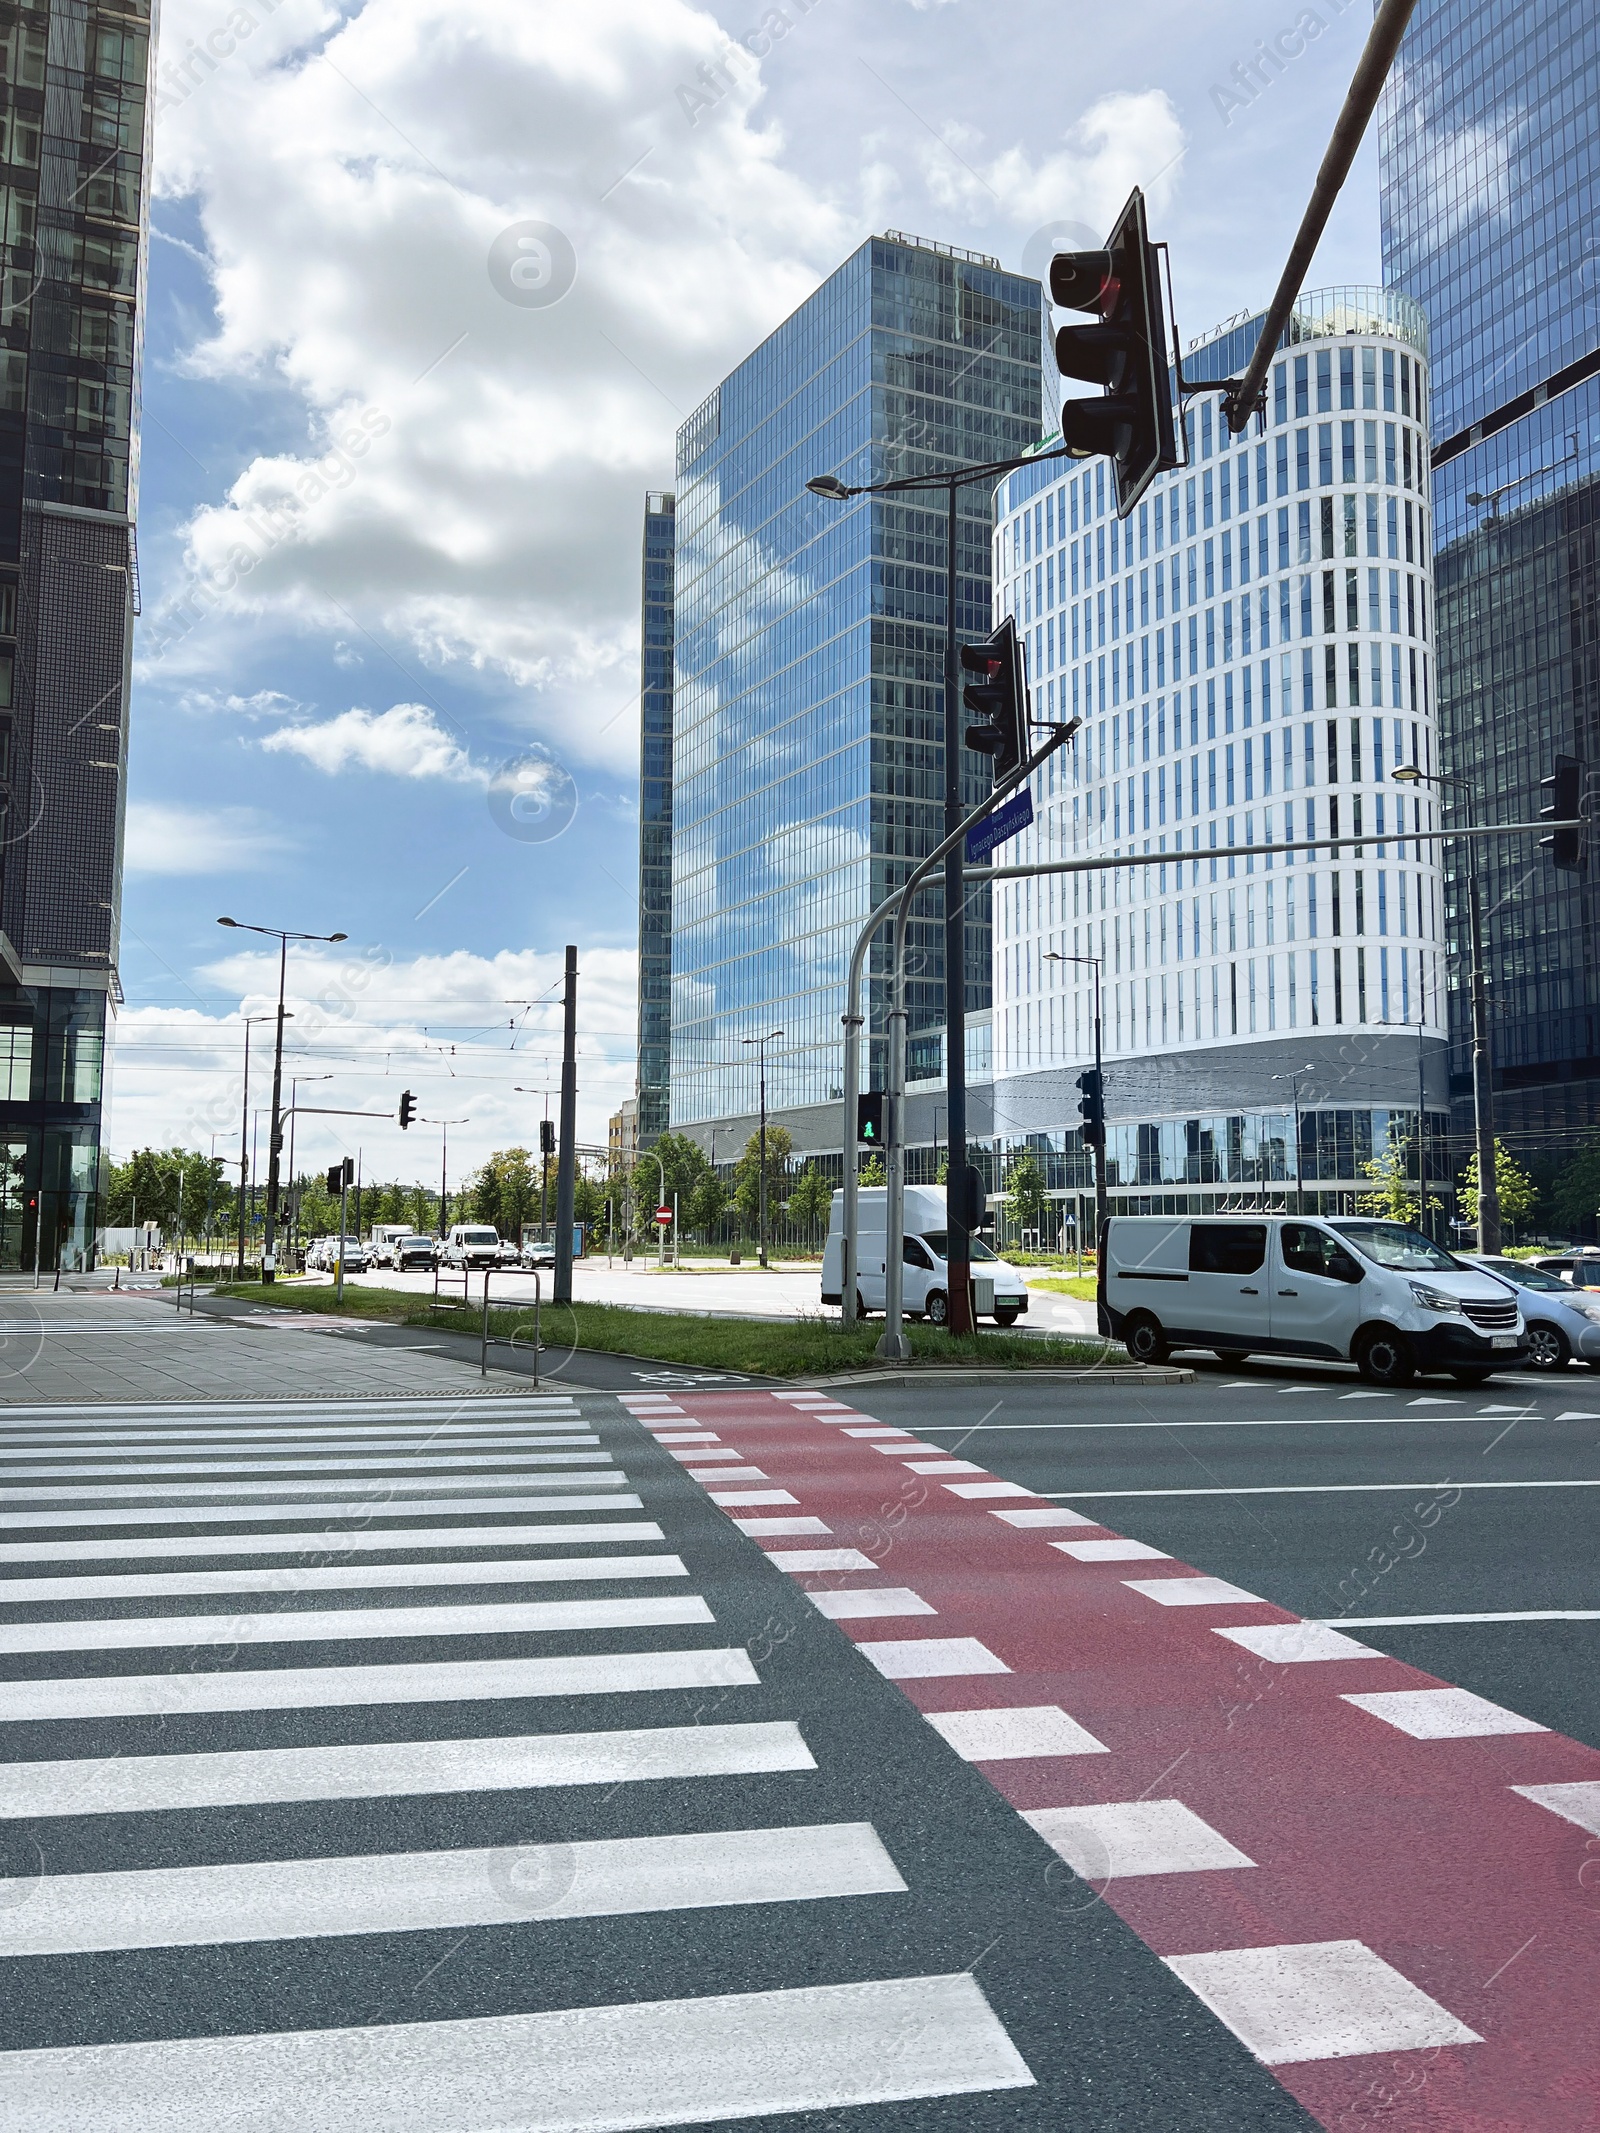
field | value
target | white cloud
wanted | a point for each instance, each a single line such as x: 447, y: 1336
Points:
x: 474, y: 472
x: 163, y: 838
x: 1132, y: 137
x: 454, y: 1029
x: 406, y: 741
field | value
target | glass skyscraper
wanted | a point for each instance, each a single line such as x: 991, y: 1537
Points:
x: 808, y: 724
x: 1489, y: 153
x: 1250, y: 655
x: 655, y: 818
x: 73, y: 216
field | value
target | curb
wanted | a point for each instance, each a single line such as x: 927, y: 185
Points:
x: 1123, y: 1374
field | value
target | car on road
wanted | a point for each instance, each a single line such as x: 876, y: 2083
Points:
x: 536, y: 1252
x: 412, y: 1250
x: 999, y: 1291
x: 1579, y: 1270
x: 1563, y: 1323
x: 472, y: 1244
x: 1373, y: 1293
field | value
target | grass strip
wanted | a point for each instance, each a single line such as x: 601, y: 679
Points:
x: 801, y: 1347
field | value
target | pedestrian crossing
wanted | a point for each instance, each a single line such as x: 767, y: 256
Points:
x: 371, y: 1758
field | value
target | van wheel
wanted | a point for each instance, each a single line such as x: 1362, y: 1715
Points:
x: 1233, y: 1357
x: 936, y: 1310
x: 861, y: 1305
x: 1385, y: 1358
x: 1144, y: 1339
x: 1472, y: 1377
x: 1006, y: 1317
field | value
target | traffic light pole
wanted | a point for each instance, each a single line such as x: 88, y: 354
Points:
x: 567, y: 1150
x: 958, y: 1255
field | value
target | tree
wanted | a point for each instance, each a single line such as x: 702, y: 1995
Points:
x: 811, y: 1200
x: 1575, y: 1194
x: 1395, y: 1198
x: 1518, y: 1195
x: 147, y: 1188
x: 706, y: 1205
x: 872, y: 1171
x: 1025, y: 1197
x: 747, y: 1176
x: 505, y: 1191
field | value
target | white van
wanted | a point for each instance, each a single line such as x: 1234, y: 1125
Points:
x: 1351, y: 1289
x: 999, y: 1291
x: 472, y: 1244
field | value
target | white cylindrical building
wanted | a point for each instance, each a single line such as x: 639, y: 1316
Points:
x: 1250, y: 652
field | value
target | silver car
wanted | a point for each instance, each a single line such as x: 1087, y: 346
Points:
x: 1562, y: 1323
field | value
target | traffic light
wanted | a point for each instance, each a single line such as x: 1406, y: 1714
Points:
x: 998, y: 699
x: 869, y: 1118
x: 1563, y: 801
x: 341, y: 1174
x: 547, y: 1136
x: 1126, y: 353
x: 408, y: 1108
x: 1092, y: 1106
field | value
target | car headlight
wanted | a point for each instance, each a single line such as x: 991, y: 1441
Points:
x: 1587, y: 1310
x: 1434, y: 1299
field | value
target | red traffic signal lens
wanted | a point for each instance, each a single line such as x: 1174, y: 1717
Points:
x: 1084, y: 281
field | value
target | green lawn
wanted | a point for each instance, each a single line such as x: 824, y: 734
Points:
x: 1066, y: 1285
x: 803, y: 1347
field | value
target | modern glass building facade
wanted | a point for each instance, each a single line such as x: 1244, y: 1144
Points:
x: 1489, y: 155
x: 1251, y: 655
x: 807, y: 762
x: 655, y: 818
x: 73, y: 216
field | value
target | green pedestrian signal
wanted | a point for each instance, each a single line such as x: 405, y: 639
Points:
x: 869, y: 1118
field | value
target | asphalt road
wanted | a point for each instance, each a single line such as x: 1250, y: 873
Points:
x: 1304, y: 1486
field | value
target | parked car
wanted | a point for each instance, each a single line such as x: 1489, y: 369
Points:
x: 472, y: 1244
x: 999, y: 1291
x: 413, y: 1250
x: 1580, y: 1270
x: 1562, y: 1323
x: 1373, y: 1293
x: 317, y: 1255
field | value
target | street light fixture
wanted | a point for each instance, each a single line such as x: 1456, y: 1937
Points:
x: 1053, y: 955
x: 275, y: 1137
x: 762, y: 1043
x: 1482, y: 1063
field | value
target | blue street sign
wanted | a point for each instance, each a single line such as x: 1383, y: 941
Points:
x: 1005, y: 822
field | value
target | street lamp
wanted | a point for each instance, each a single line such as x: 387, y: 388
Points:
x: 761, y: 1197
x: 1482, y: 1063
x: 275, y: 1137
x: 1052, y: 955
x: 244, y: 1133
x: 1292, y: 1077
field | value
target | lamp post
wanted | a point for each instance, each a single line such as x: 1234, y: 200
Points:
x: 244, y: 1134
x: 761, y: 1198
x: 1052, y: 955
x: 1292, y: 1077
x: 959, y: 1261
x: 1482, y: 1060
x: 275, y: 1137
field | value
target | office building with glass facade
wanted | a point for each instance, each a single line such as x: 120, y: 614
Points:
x: 1489, y: 157
x: 73, y: 217
x: 1251, y: 655
x: 655, y: 818
x: 807, y: 708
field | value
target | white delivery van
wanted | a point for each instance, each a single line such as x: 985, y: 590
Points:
x: 1349, y: 1289
x: 999, y: 1291
x: 472, y: 1244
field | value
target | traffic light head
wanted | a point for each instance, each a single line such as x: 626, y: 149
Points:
x: 997, y: 696
x: 408, y: 1108
x: 547, y: 1136
x: 1563, y: 802
x: 335, y: 1177
x: 869, y: 1118
x: 1092, y: 1108
x: 1125, y: 353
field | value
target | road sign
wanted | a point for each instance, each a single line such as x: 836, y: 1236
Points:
x: 1005, y: 822
x: 664, y: 1217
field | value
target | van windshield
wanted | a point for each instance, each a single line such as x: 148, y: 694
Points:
x: 938, y: 1240
x: 480, y: 1236
x: 1393, y: 1244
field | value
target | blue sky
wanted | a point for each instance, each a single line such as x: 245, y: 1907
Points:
x: 411, y: 506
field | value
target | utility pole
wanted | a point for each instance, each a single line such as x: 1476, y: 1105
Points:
x: 567, y: 1157
x: 761, y: 1044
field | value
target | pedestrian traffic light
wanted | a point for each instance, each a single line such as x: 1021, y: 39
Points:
x: 1092, y: 1106
x: 408, y: 1108
x: 998, y: 698
x: 1563, y: 801
x: 341, y: 1175
x: 547, y: 1136
x: 1126, y: 353
x: 869, y: 1117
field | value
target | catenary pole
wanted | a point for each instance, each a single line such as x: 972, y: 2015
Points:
x: 567, y: 1145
